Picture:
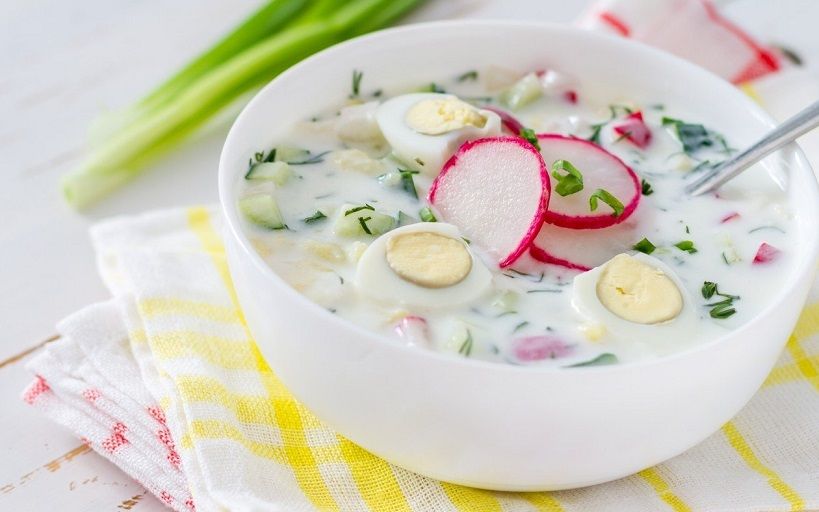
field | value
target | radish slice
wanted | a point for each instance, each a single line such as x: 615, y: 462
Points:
x: 601, y: 170
x: 413, y: 330
x: 583, y: 250
x: 496, y: 191
x: 766, y: 254
x: 634, y: 130
x: 507, y: 120
x: 728, y: 218
x: 538, y: 348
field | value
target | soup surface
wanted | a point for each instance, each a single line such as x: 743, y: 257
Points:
x: 506, y: 217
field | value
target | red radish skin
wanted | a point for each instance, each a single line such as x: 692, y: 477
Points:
x: 471, y: 193
x: 544, y: 257
x: 413, y: 330
x: 728, y: 218
x: 570, y: 96
x: 622, y: 182
x: 634, y: 130
x: 766, y: 254
x: 508, y: 121
x: 538, y: 348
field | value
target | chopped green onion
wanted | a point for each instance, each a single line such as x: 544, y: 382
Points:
x: 407, y: 182
x: 357, y: 76
x: 358, y: 209
x: 607, y: 198
x: 466, y: 347
x: 311, y: 159
x: 687, y: 246
x: 569, y: 183
x: 363, y: 222
x: 721, y: 309
x: 646, y: 188
x: 433, y: 87
x: 530, y: 136
x: 469, y: 75
x: 601, y: 360
x: 277, y: 36
x: 427, y: 215
x: 644, y: 246
x: 520, y: 326
x: 314, y: 218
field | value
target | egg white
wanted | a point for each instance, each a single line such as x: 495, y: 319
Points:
x: 658, y: 337
x: 421, y: 152
x: 376, y: 280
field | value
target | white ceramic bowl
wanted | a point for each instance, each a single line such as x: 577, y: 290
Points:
x: 490, y: 425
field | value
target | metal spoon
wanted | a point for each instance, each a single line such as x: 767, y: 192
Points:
x: 798, y: 125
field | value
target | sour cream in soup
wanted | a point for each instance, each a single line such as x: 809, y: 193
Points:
x: 340, y: 210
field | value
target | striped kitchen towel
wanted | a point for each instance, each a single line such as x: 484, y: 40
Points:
x: 166, y: 381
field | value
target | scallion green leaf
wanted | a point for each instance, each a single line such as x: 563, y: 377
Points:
x: 609, y: 199
x: 644, y: 246
x: 569, y: 183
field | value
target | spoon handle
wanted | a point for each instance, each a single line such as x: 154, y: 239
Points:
x: 798, y: 125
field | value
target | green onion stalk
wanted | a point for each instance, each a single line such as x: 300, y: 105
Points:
x: 271, y: 40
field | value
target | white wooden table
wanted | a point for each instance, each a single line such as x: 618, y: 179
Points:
x: 61, y: 63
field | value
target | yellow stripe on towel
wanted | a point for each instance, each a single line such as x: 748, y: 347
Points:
x: 656, y: 481
x: 161, y: 306
x: 467, y: 499
x: 374, y: 478
x: 803, y: 362
x: 542, y: 501
x: 774, y: 480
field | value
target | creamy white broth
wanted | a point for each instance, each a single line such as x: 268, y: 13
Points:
x: 527, y: 316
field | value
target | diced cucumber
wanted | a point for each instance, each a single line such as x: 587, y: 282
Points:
x: 523, y: 92
x: 277, y: 172
x: 427, y: 215
x: 262, y: 210
x: 506, y: 302
x: 404, y: 219
x: 362, y: 221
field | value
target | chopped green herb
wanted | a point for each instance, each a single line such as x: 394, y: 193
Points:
x: 762, y: 228
x: 694, y: 137
x: 419, y: 161
x: 721, y: 311
x: 357, y: 76
x: 520, y: 326
x: 426, y: 215
x: 544, y: 290
x: 363, y: 222
x: 358, y: 209
x: 687, y: 230
x: 466, y: 347
x: 790, y: 55
x: 311, y: 159
x: 407, y: 182
x: 433, y: 87
x: 530, y: 136
x: 646, y: 188
x: 608, y: 198
x: 466, y: 240
x: 709, y: 289
x: 644, y: 246
x: 314, y: 218
x: 469, y: 75
x: 569, y: 183
x: 596, y: 129
x: 601, y: 360
x: 271, y: 156
x: 687, y: 246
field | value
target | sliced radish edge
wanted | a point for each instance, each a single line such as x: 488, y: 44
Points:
x: 543, y: 256
x: 540, y: 210
x: 598, y: 220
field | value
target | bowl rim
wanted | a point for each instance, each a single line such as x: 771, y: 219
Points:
x: 231, y: 221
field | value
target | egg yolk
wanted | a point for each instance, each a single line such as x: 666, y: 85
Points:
x: 638, y: 292
x: 438, y: 116
x: 428, y: 259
